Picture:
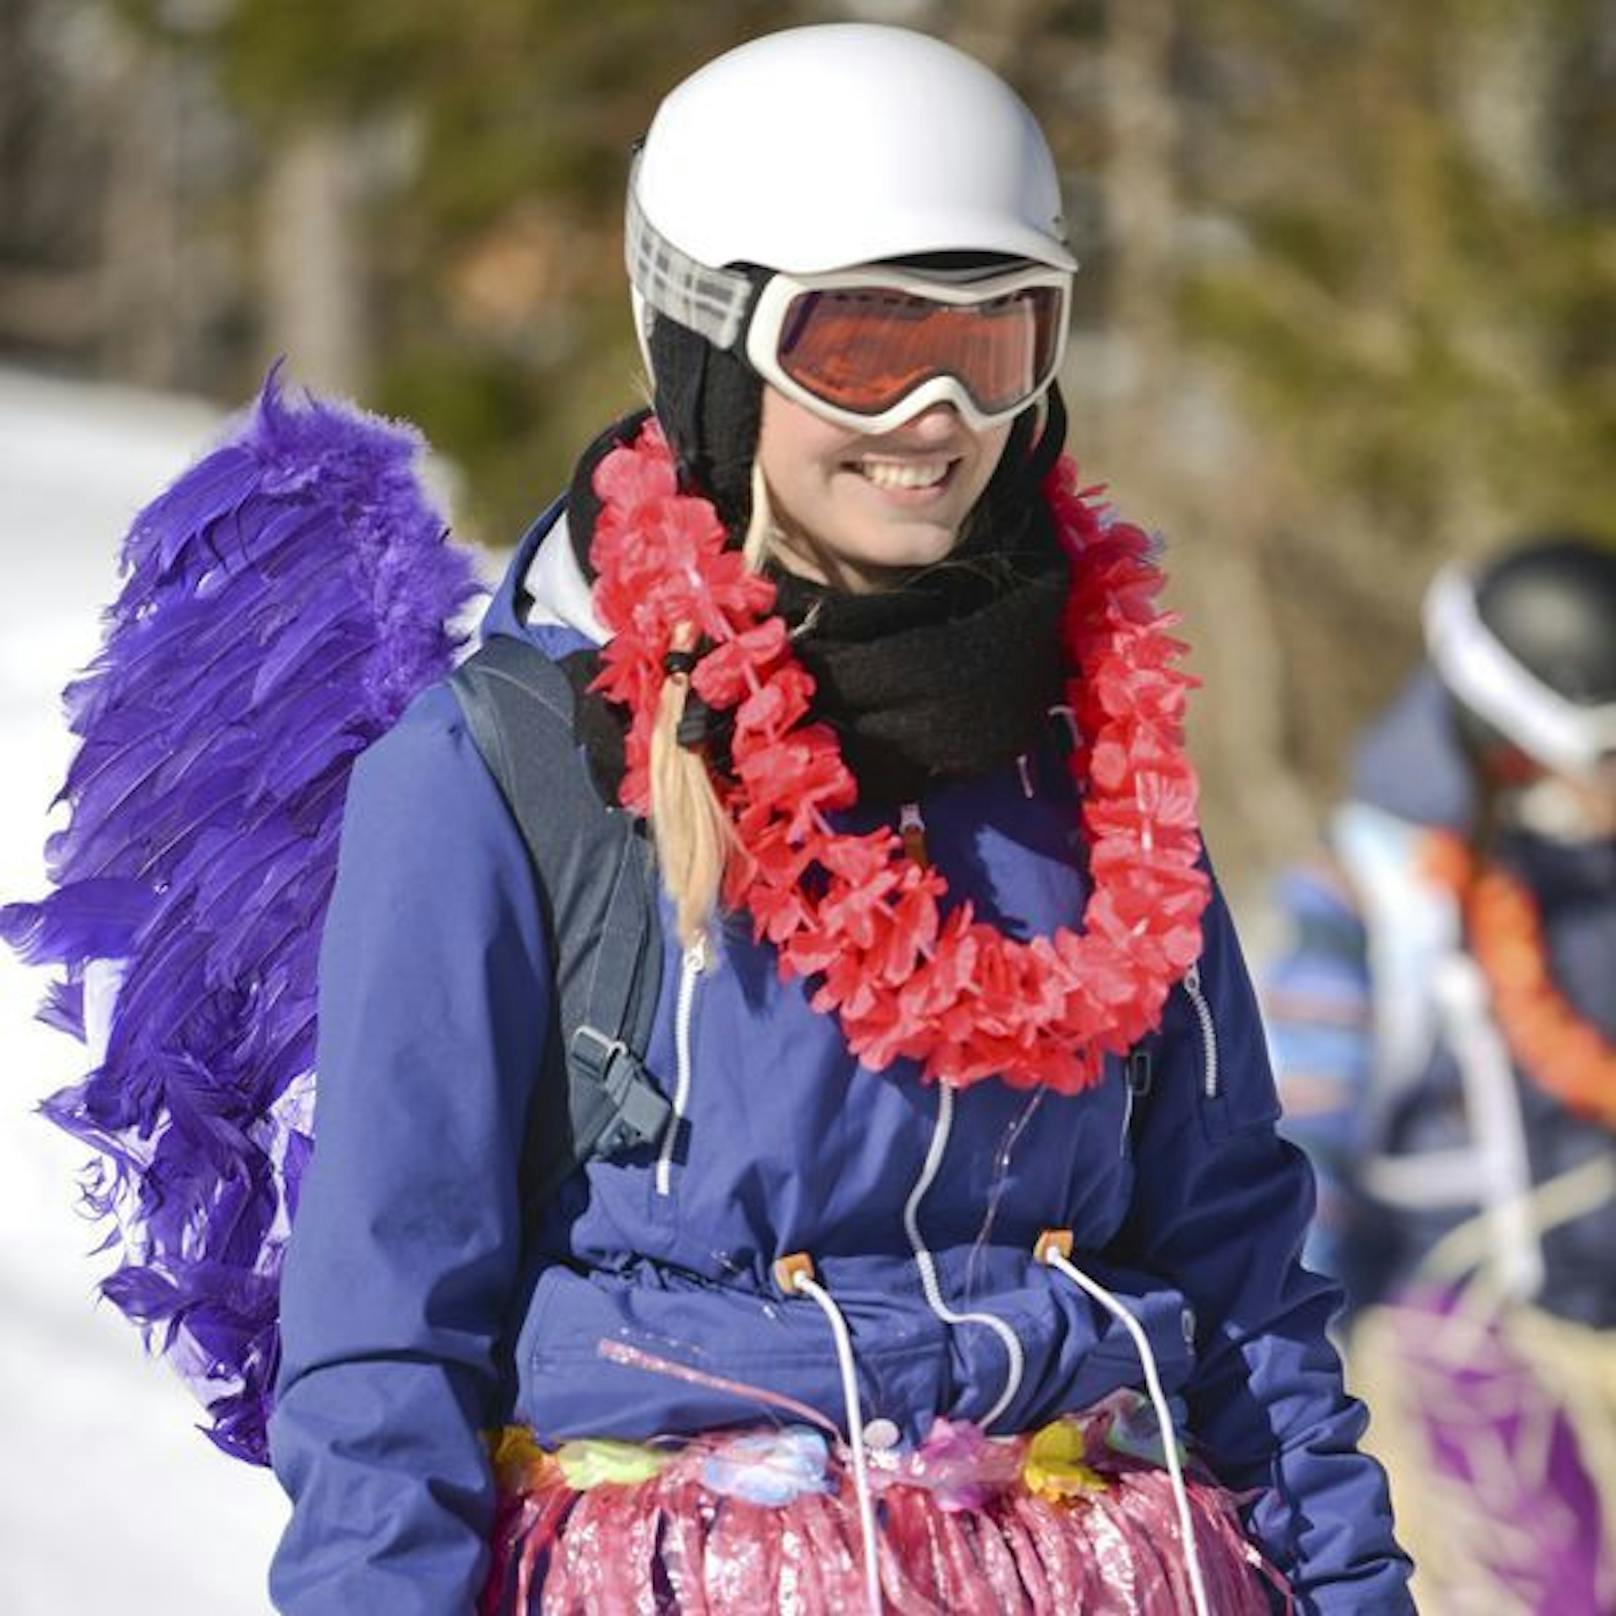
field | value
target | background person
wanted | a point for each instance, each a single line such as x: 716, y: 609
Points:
x: 1443, y: 1026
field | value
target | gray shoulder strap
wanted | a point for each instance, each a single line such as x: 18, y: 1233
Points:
x: 597, y: 890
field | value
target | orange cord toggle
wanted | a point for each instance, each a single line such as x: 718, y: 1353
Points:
x: 1053, y: 1242
x: 912, y: 830
x: 789, y: 1269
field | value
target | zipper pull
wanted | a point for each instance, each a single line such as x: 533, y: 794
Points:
x: 1140, y: 1068
x: 912, y: 828
x: 1068, y: 718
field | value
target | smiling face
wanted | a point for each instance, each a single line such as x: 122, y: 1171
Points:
x: 857, y: 510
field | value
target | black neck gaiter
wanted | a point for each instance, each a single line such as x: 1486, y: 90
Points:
x: 948, y: 675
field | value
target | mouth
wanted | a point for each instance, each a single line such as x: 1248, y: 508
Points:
x: 911, y: 480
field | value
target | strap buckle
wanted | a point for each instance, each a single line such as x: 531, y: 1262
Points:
x: 1140, y: 1071
x: 639, y: 1113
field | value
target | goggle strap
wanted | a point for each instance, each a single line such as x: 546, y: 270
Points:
x: 713, y: 302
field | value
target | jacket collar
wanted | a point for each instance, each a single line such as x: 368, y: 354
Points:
x: 543, y: 597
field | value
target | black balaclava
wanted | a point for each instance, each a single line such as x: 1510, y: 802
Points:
x: 955, y: 672
x: 710, y: 404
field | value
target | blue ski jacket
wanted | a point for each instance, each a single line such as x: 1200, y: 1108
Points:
x: 418, y: 1312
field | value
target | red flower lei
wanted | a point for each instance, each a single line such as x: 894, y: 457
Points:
x: 1552, y: 1045
x: 855, y: 912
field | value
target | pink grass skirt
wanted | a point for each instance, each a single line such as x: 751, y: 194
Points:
x: 1076, y: 1517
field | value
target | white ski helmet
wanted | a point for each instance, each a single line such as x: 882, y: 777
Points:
x: 1526, y: 646
x: 828, y: 147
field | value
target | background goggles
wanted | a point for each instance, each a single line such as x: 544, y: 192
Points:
x: 869, y: 349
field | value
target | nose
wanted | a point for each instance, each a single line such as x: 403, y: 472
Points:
x: 937, y: 423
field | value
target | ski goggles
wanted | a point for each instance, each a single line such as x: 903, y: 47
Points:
x: 870, y: 348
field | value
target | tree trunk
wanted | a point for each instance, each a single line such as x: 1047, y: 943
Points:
x: 142, y: 307
x: 1140, y: 202
x: 313, y: 262
x: 1170, y: 432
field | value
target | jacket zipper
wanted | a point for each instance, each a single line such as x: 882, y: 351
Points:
x: 1137, y: 1081
x: 692, y: 964
x: 1209, y: 1031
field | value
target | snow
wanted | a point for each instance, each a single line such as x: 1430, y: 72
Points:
x: 110, y: 1499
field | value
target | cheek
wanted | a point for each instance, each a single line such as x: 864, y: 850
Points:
x: 799, y: 455
x: 803, y: 486
x: 993, y: 446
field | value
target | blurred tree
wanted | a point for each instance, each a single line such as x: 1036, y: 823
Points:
x: 1347, y: 302
x: 48, y: 234
x: 1418, y: 309
x: 1350, y: 273
x: 482, y: 150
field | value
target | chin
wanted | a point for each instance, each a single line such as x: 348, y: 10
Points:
x: 912, y: 544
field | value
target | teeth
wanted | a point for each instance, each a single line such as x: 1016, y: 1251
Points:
x: 904, y: 473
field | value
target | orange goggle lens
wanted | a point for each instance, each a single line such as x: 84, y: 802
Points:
x: 864, y: 348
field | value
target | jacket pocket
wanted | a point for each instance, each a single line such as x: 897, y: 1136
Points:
x: 1232, y: 1074
x: 654, y: 1351
x: 1078, y: 1354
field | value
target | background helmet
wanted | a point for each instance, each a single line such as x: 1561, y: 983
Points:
x: 1526, y: 645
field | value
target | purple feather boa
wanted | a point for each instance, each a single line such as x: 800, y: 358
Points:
x: 282, y: 603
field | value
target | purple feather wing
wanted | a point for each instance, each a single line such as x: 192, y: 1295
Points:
x: 282, y: 603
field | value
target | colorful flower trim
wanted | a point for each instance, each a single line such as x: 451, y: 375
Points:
x: 1056, y: 1466
x: 767, y: 1519
x: 959, y: 1463
x: 854, y: 913
x: 1552, y: 1045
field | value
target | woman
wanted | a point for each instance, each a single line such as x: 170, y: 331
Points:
x: 971, y: 1128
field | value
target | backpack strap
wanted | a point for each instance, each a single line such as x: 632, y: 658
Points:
x: 597, y: 890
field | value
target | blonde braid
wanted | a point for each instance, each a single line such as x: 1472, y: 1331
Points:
x: 693, y: 834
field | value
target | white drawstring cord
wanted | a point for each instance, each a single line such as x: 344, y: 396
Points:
x: 1052, y: 1248
x: 796, y: 1273
x: 927, y: 1264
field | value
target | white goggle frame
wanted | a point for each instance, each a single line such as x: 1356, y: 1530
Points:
x: 961, y: 289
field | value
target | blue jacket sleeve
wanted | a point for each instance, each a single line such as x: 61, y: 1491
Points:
x: 1222, y: 1208
x: 405, y: 1251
